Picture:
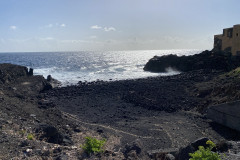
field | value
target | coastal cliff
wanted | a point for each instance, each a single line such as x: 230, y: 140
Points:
x: 214, y: 60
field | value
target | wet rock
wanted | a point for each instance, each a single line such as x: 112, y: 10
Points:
x: 54, y: 83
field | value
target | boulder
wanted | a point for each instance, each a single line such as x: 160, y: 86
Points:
x: 133, y: 150
x: 166, y: 154
x: 54, y: 83
x: 52, y: 135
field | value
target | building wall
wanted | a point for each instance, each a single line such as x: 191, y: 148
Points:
x: 229, y: 40
x: 236, y: 40
x: 218, y: 42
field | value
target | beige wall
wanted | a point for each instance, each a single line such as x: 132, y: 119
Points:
x: 226, y: 41
x: 230, y: 39
x: 236, y: 39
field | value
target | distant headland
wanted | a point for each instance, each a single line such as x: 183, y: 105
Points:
x: 225, y: 55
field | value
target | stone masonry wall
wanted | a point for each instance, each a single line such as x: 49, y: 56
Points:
x: 229, y: 40
x: 236, y: 40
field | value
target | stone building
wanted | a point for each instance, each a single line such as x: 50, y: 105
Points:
x: 229, y: 40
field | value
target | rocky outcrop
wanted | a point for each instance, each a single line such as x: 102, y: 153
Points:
x: 54, y: 82
x: 10, y: 72
x: 22, y: 81
x: 215, y: 60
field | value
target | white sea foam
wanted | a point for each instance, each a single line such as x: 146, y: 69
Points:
x: 71, y: 67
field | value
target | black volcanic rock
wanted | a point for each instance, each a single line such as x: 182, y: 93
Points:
x: 52, y: 135
x: 10, y: 72
x: 205, y: 60
x: 25, y: 84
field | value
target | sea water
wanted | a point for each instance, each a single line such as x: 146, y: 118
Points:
x: 72, y: 67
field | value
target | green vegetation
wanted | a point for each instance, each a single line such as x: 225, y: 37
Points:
x: 233, y: 73
x: 205, y: 153
x: 30, y: 136
x: 93, y: 145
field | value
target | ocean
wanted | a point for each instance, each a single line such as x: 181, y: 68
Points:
x: 72, y: 67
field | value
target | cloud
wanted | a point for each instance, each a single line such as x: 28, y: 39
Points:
x: 107, y: 29
x: 13, y: 27
x: 63, y: 25
x: 49, y: 26
x: 74, y: 41
x: 95, y: 27
x: 46, y: 39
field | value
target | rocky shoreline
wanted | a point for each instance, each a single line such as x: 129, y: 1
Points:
x: 213, y: 60
x: 147, y: 118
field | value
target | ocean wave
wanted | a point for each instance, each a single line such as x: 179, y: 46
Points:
x: 71, y: 67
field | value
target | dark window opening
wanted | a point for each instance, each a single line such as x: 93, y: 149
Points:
x: 229, y: 33
x: 237, y: 34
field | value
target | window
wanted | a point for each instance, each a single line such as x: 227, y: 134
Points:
x: 229, y: 33
x: 237, y: 34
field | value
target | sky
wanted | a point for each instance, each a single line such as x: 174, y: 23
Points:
x: 89, y: 25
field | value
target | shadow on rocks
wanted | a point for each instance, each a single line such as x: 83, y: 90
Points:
x: 50, y: 134
x: 226, y: 132
x: 191, y: 148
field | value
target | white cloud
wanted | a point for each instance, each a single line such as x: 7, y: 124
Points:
x: 49, y: 26
x: 107, y: 29
x: 63, y: 25
x: 13, y: 27
x: 55, y: 25
x: 46, y: 38
x: 95, y: 27
x: 74, y: 41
